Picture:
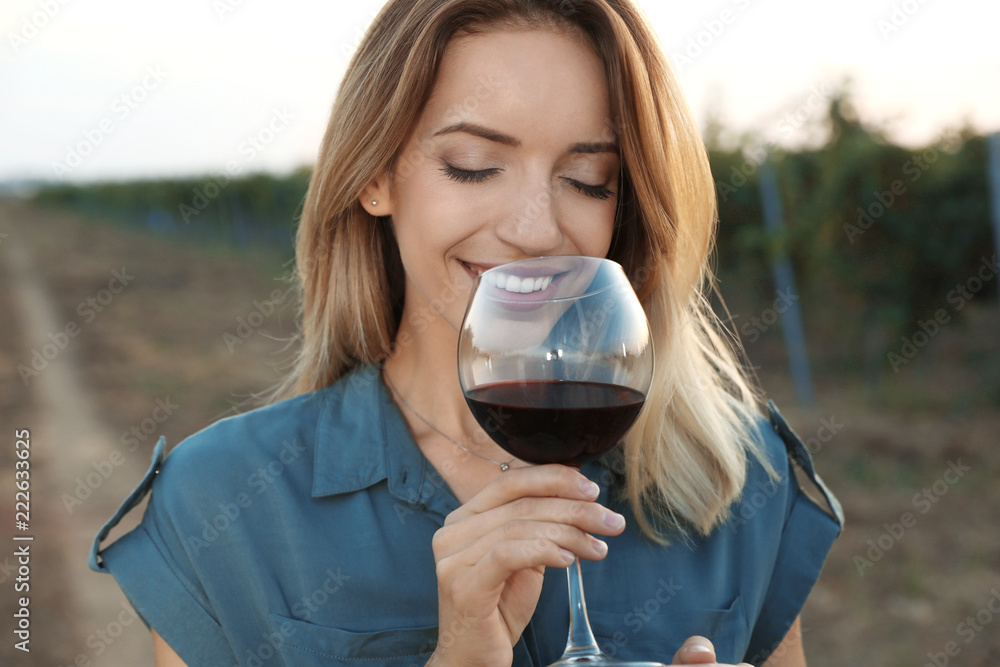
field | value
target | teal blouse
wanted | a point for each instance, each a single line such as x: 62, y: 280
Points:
x: 300, y: 534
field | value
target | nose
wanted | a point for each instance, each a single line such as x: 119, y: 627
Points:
x: 532, y: 225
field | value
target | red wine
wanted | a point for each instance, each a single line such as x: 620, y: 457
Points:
x: 553, y: 421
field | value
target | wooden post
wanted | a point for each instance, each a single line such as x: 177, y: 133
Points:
x: 784, y: 278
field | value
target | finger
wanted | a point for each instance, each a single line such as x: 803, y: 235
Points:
x: 586, y: 516
x: 484, y: 579
x: 695, y: 651
x: 539, y: 536
x: 538, y: 481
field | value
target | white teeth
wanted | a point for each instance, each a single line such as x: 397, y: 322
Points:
x: 517, y: 284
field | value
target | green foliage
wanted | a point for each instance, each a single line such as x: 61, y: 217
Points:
x: 258, y: 208
x: 879, y: 235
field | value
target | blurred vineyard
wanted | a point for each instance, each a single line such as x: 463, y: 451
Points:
x: 880, y: 235
x: 259, y: 209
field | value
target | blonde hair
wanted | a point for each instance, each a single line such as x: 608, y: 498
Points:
x: 685, y: 458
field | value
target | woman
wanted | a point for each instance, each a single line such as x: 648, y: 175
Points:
x: 368, y: 517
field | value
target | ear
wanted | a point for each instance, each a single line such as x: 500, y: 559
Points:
x: 376, y: 197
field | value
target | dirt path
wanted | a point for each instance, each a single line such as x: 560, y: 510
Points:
x: 68, y: 439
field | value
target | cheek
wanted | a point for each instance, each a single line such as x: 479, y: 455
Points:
x: 431, y: 219
x: 423, y: 211
x: 590, y: 227
x: 432, y: 213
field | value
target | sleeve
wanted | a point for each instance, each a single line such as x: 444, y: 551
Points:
x: 806, y: 538
x: 154, y: 570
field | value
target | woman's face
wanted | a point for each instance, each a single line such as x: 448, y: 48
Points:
x: 512, y: 157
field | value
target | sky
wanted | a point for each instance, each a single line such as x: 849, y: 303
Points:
x: 118, y: 89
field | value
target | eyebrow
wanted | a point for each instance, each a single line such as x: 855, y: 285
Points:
x: 591, y: 148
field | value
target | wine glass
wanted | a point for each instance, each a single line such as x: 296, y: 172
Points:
x: 555, y: 360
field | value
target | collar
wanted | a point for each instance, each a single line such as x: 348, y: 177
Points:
x: 362, y: 440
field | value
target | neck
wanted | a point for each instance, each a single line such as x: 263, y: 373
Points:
x: 423, y: 369
x: 423, y: 376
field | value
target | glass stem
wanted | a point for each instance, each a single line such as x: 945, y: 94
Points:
x: 581, y: 640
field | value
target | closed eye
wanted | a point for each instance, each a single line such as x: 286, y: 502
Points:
x: 464, y: 176
x: 596, y: 191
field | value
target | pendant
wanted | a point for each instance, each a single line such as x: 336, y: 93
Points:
x: 504, y: 467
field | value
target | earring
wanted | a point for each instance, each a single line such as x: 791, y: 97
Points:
x: 374, y: 202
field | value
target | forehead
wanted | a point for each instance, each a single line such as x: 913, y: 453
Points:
x: 501, y: 75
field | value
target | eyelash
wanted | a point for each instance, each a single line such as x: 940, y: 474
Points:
x: 462, y: 176
x: 595, y: 191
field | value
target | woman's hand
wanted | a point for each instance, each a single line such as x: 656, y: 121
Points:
x: 697, y: 651
x: 492, y: 552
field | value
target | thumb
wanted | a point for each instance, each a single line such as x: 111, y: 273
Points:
x: 695, y: 651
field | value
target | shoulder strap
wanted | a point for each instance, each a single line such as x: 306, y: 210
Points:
x: 800, y: 454
x: 133, y: 499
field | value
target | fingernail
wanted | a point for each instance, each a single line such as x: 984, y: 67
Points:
x: 600, y: 547
x: 568, y: 557
x: 588, y: 488
x: 613, y: 520
x: 697, y: 648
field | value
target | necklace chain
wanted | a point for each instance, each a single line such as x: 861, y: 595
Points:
x: 504, y: 467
